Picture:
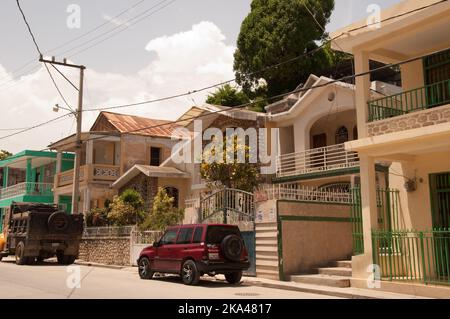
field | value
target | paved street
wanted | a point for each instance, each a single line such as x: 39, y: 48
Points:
x: 49, y: 280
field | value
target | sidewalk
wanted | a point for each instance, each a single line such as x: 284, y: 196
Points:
x: 350, y: 293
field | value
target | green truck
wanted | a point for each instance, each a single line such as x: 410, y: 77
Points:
x: 37, y: 231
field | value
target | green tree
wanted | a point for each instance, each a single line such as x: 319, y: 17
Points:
x: 127, y: 209
x: 4, y: 154
x: 226, y: 169
x: 227, y: 95
x: 163, y: 214
x: 280, y: 30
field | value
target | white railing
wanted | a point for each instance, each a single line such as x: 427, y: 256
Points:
x: 113, y: 231
x: 316, y: 160
x: 192, y: 203
x: 303, y: 193
x: 26, y: 189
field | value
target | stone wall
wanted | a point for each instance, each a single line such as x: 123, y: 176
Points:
x: 108, y: 250
x: 146, y: 186
x: 409, y: 121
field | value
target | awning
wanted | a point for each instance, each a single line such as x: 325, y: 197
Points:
x: 150, y: 171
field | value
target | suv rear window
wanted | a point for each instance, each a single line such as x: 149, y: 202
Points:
x: 216, y: 234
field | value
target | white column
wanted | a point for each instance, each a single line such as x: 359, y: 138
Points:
x: 87, y: 200
x: 368, y: 202
x: 89, y: 152
x: 362, y: 94
x: 58, y: 162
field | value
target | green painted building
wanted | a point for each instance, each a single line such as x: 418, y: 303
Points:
x: 28, y: 176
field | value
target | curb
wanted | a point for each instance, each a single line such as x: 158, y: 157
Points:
x: 91, y: 264
x: 347, y: 295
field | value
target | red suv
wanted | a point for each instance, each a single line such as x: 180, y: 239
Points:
x: 194, y: 250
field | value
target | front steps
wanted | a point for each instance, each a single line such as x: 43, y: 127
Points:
x: 267, y: 250
x: 338, y: 275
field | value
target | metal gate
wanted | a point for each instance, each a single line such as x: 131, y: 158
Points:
x: 234, y: 207
x: 387, y: 214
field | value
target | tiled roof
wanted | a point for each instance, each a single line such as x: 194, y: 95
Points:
x: 140, y: 125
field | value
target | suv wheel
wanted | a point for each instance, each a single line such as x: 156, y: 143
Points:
x: 234, y: 277
x: 189, y: 273
x: 20, y: 254
x: 144, y: 269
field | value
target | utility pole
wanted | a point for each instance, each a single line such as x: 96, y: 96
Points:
x: 78, y: 114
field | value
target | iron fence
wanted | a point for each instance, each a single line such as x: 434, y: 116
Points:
x: 409, y: 255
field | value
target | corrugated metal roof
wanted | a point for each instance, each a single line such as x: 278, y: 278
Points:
x: 140, y: 125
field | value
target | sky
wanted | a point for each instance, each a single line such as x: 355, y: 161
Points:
x: 133, y: 51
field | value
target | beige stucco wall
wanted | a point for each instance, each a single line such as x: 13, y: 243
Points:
x: 330, y: 123
x: 416, y: 206
x: 311, y: 244
x: 135, y: 149
x: 412, y: 75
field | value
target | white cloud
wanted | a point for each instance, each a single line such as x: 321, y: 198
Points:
x: 184, y: 62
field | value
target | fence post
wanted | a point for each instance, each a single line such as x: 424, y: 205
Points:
x: 422, y: 250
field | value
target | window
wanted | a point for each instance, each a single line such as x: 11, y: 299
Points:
x: 185, y: 235
x: 355, y: 133
x: 341, y: 135
x: 198, y: 234
x: 215, y: 234
x: 169, y: 237
x: 173, y: 192
x: 155, y: 156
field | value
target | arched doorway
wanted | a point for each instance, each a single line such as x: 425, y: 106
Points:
x: 341, y: 135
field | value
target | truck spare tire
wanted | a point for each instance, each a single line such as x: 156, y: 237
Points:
x: 232, y: 247
x: 58, y: 221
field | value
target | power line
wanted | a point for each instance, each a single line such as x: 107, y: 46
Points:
x: 80, y: 36
x: 235, y: 108
x: 274, y: 97
x: 124, y: 24
x: 40, y: 53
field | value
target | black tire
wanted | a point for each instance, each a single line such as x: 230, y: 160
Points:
x: 189, y: 273
x: 234, y: 277
x: 20, y: 254
x: 58, y: 222
x: 65, y: 259
x: 144, y: 269
x: 232, y: 247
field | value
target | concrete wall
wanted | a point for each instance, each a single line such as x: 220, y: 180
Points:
x: 308, y: 244
x: 110, y: 251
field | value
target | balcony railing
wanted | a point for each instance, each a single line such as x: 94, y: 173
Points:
x: 90, y: 173
x: 410, y: 101
x: 304, y: 194
x: 316, y: 160
x: 413, y: 255
x: 21, y: 189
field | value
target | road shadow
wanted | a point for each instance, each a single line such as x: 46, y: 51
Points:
x: 205, y: 282
x: 46, y: 262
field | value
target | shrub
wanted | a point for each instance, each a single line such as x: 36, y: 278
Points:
x: 163, y: 214
x: 127, y: 209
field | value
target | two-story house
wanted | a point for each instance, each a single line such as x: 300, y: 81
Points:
x: 410, y: 131
x: 28, y: 177
x: 114, y: 144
